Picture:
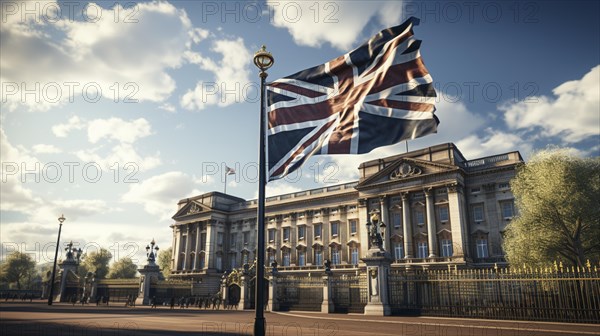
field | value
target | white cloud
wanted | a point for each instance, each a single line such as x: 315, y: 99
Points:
x: 118, y: 129
x: 231, y: 82
x: 167, y: 107
x: 159, y: 194
x: 572, y: 114
x: 124, y: 132
x: 101, y: 53
x: 279, y: 188
x: 46, y: 149
x: 494, y: 142
x: 62, y: 130
x: 338, y: 23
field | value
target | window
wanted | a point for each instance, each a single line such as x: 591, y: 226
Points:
x: 446, y: 248
x: 422, y: 250
x: 335, y: 229
x: 353, y: 226
x: 475, y: 190
x: 301, y: 258
x: 246, y: 238
x: 232, y: 240
x: 286, y: 258
x: 507, y: 210
x: 202, y: 241
x: 232, y: 261
x: 397, y: 220
x: 220, y: 237
x: 286, y: 234
x: 398, y: 251
x: 318, y: 257
x: 271, y: 235
x: 301, y: 232
x: 218, y: 262
x: 354, y: 255
x: 482, y: 248
x: 443, y: 214
x: 271, y: 258
x: 504, y: 185
x: 335, y: 256
x: 244, y: 258
x: 202, y: 261
x: 420, y: 217
x: 478, y: 213
x: 317, y: 229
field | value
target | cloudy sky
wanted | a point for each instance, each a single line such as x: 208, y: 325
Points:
x: 111, y: 112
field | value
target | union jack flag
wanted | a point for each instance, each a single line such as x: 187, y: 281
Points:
x: 376, y: 95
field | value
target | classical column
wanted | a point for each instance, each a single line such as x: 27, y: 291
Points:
x: 177, y: 247
x: 385, y: 218
x: 406, y: 227
x: 457, y: 221
x: 211, y: 244
x: 186, y: 259
x: 197, y: 248
x: 173, y: 258
x: 431, y: 232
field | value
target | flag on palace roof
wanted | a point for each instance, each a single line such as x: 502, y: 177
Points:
x: 376, y: 95
x: 229, y: 171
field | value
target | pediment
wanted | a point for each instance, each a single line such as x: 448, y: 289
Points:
x: 189, y: 209
x: 406, y: 169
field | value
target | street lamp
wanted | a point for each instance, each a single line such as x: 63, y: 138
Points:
x: 151, y: 252
x: 263, y: 60
x: 375, y: 236
x: 61, y: 219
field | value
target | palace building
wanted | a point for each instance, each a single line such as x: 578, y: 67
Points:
x: 440, y: 211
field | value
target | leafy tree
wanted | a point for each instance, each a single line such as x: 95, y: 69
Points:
x: 18, y: 268
x: 96, y: 261
x: 123, y: 269
x: 558, y: 197
x: 164, y: 261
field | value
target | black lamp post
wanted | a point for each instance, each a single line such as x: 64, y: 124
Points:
x: 263, y: 60
x: 152, y: 252
x: 375, y: 235
x: 61, y: 219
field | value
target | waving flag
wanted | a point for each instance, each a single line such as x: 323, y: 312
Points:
x: 376, y: 95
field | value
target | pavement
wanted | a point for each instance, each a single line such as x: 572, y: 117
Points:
x: 37, y: 318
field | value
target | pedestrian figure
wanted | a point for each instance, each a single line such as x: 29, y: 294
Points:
x: 172, y: 302
x: 153, y: 302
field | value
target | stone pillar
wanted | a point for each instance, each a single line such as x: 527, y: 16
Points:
x: 93, y: 289
x: 406, y: 227
x: 211, y: 244
x: 224, y: 289
x: 361, y: 227
x: 147, y: 273
x: 177, y: 247
x: 197, y: 248
x: 188, y: 243
x: 243, y: 289
x: 272, y: 304
x: 327, y: 305
x: 66, y: 267
x: 378, y: 266
x: 431, y: 227
x: 457, y: 214
x: 385, y: 218
x: 173, y: 258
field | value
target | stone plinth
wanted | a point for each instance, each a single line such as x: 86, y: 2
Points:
x: 378, y: 266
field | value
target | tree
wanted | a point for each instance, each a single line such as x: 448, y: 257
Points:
x: 18, y: 268
x: 164, y: 261
x: 123, y: 269
x: 557, y: 196
x: 95, y: 262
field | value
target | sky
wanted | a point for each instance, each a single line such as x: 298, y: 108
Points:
x: 111, y: 112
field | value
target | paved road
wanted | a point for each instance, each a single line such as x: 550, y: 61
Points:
x: 37, y: 318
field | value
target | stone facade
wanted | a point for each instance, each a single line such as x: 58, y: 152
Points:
x: 455, y: 210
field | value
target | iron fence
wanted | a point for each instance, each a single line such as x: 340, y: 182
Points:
x: 571, y: 295
x: 299, y: 293
x: 349, y: 293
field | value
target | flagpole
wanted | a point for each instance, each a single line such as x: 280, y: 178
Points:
x: 225, y: 186
x: 263, y: 60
